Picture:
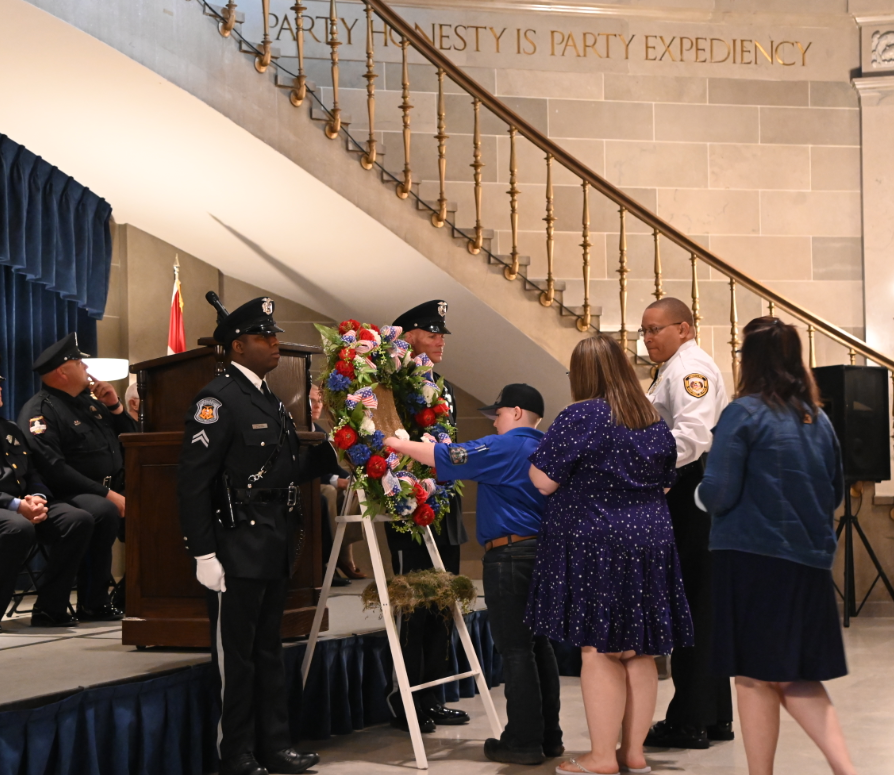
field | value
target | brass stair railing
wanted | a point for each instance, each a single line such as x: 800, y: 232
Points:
x: 410, y: 38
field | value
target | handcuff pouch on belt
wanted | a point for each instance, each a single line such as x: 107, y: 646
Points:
x: 232, y: 497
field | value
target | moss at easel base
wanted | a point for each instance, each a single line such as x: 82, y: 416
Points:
x: 421, y: 589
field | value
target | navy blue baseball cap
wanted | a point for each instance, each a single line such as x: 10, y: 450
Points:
x: 517, y: 394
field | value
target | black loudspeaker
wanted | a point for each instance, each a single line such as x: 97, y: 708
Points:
x: 856, y: 400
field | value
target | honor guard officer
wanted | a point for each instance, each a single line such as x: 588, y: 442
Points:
x: 73, y: 424
x: 425, y: 634
x: 239, y: 509
x: 689, y: 394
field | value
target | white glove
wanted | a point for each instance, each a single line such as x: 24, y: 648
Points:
x: 210, y: 573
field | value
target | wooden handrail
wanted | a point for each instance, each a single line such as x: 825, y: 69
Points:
x: 573, y: 165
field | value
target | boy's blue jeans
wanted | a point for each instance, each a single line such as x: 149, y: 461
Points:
x: 530, y: 671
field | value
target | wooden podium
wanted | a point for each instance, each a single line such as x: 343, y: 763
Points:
x: 165, y: 604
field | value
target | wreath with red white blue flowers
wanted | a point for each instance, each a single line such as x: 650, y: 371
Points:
x: 360, y: 358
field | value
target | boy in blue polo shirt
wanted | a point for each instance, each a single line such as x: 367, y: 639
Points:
x: 509, y: 511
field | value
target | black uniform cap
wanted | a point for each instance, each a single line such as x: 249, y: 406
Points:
x: 517, y: 394
x: 66, y: 349
x: 253, y: 317
x: 429, y: 316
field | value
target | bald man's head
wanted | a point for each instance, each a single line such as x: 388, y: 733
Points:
x: 673, y: 309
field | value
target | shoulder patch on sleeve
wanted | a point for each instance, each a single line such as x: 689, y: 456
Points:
x: 458, y: 454
x: 696, y: 385
x: 37, y: 425
x: 207, y: 410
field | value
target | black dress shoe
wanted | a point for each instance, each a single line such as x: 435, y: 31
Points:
x: 425, y: 723
x: 338, y: 581
x: 47, y: 619
x: 553, y: 751
x: 664, y: 734
x: 244, y: 764
x: 446, y: 716
x: 721, y: 732
x: 106, y: 613
x: 288, y: 761
x: 498, y: 751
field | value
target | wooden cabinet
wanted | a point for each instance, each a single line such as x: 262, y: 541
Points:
x: 165, y: 604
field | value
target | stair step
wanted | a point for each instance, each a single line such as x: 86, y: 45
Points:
x: 503, y: 259
x: 576, y: 312
x: 426, y: 204
x: 289, y: 83
x: 470, y: 231
x: 352, y: 148
x: 247, y: 48
x: 217, y: 11
x: 318, y: 114
x: 539, y: 284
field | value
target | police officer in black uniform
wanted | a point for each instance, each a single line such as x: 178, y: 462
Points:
x: 73, y: 424
x: 239, y: 509
x: 425, y: 634
x: 26, y: 514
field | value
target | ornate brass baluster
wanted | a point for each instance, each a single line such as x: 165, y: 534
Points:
x: 583, y: 322
x: 262, y: 60
x: 771, y: 309
x: 696, y: 316
x: 440, y: 218
x: 549, y: 295
x: 368, y: 159
x: 511, y: 272
x: 659, y: 291
x: 623, y: 271
x: 734, y: 331
x: 228, y: 13
x: 475, y: 244
x: 334, y: 125
x: 403, y: 188
x: 297, y: 95
x: 811, y: 346
x: 852, y: 358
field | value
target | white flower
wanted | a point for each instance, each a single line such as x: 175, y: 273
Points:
x: 429, y: 392
x: 401, y: 434
x: 429, y: 438
x: 367, y: 427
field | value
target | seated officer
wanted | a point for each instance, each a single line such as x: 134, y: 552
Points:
x: 25, y: 516
x: 76, y: 433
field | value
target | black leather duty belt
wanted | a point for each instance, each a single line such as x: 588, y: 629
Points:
x: 285, y: 495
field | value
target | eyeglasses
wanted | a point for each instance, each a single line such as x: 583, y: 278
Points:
x: 653, y: 330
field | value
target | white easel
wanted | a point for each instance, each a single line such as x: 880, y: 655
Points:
x: 406, y: 691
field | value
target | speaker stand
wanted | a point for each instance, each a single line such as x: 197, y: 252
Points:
x: 847, y: 524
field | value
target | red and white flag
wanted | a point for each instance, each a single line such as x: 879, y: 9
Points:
x: 176, y: 333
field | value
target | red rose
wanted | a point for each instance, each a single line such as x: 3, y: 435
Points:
x: 441, y: 408
x: 426, y: 418
x: 345, y: 437
x: 367, y: 335
x: 419, y: 493
x: 376, y: 467
x: 347, y: 353
x: 346, y: 369
x: 348, y: 325
x: 424, y: 515
x: 374, y: 328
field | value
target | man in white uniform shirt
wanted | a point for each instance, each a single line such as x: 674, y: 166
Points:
x: 689, y: 394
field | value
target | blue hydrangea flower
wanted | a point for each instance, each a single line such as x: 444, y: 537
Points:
x: 440, y: 429
x: 359, y: 454
x: 377, y: 440
x: 414, y: 400
x: 338, y: 382
x: 405, y: 505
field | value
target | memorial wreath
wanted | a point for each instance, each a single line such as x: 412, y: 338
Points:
x: 373, y: 387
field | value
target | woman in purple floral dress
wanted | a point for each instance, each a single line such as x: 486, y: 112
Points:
x: 607, y: 576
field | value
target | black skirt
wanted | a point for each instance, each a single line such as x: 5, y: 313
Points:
x: 775, y: 620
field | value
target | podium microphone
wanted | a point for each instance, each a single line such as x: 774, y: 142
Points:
x: 214, y: 300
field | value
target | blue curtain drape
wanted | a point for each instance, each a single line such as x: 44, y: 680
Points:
x: 166, y: 725
x: 55, y: 258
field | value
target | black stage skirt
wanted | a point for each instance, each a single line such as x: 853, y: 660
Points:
x: 774, y: 619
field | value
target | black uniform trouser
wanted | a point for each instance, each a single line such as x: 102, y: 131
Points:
x: 96, y: 567
x: 246, y: 650
x: 424, y: 634
x: 701, y: 697
x: 66, y: 531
